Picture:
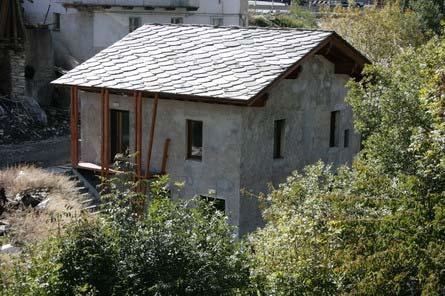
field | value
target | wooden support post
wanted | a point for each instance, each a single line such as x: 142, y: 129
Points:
x: 138, y: 132
x: 151, y: 137
x: 105, y: 155
x: 165, y: 156
x: 107, y: 131
x: 74, y: 128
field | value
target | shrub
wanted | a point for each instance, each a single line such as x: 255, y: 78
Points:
x: 173, y: 248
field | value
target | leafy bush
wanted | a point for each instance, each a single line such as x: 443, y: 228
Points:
x: 377, y: 228
x: 173, y: 248
x: 381, y: 34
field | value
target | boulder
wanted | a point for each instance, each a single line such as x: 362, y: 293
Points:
x: 43, y: 204
x: 4, y: 229
x: 30, y: 200
x: 9, y: 249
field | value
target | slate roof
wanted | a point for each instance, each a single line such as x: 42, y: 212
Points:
x: 195, y: 60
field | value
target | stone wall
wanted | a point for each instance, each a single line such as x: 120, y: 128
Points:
x: 305, y: 104
x: 238, y: 141
x: 40, y: 62
x: 17, y: 62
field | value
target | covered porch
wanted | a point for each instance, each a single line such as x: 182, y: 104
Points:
x: 113, y: 136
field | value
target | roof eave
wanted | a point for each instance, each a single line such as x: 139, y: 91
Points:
x: 162, y: 95
x: 334, y: 38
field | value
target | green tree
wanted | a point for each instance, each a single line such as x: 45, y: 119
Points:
x: 171, y: 248
x: 381, y: 34
x: 376, y: 228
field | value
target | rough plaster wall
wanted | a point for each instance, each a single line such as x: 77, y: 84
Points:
x: 306, y: 104
x: 35, y: 11
x: 112, y: 26
x: 219, y: 169
x: 40, y: 55
x: 76, y: 34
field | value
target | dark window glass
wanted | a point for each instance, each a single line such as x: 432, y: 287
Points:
x: 278, y: 138
x: 217, y: 203
x: 194, y: 139
x: 346, y: 138
x: 134, y: 23
x: 56, y: 22
x: 119, y: 132
x: 335, y: 124
x: 177, y: 20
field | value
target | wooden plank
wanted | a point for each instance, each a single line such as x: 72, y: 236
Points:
x: 136, y: 133
x: 102, y: 148
x: 72, y: 126
x: 151, y: 136
x: 165, y: 156
x: 107, y: 131
x: 76, y: 126
x: 139, y: 132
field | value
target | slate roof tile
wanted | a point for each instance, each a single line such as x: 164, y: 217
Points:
x: 225, y: 62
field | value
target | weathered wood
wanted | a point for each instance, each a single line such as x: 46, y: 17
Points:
x: 73, y: 127
x: 165, y: 156
x: 107, y: 131
x: 151, y: 136
x: 102, y: 148
x: 136, y: 134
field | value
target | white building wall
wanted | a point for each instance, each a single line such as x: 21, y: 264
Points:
x: 84, y: 33
x: 35, y: 11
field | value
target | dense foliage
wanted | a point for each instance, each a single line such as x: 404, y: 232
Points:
x: 381, y: 34
x: 377, y: 228
x: 176, y: 248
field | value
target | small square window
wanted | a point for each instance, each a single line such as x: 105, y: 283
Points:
x: 194, y: 139
x: 133, y: 23
x: 334, y: 129
x: 346, y: 138
x: 56, y: 21
x: 177, y: 20
x: 217, y: 21
x: 278, y: 138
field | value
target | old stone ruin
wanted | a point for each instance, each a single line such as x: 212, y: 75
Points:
x: 29, y: 106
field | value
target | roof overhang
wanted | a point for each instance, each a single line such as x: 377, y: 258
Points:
x: 346, y: 59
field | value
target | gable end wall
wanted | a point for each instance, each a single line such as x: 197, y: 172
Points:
x: 306, y: 104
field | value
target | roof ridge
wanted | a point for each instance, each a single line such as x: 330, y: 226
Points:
x: 239, y: 27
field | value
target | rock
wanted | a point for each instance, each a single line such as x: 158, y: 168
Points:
x: 43, y: 204
x: 32, y: 197
x: 4, y: 229
x: 29, y: 200
x: 3, y: 200
x: 34, y: 109
x: 9, y: 249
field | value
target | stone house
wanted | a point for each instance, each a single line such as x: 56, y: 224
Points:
x: 221, y: 108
